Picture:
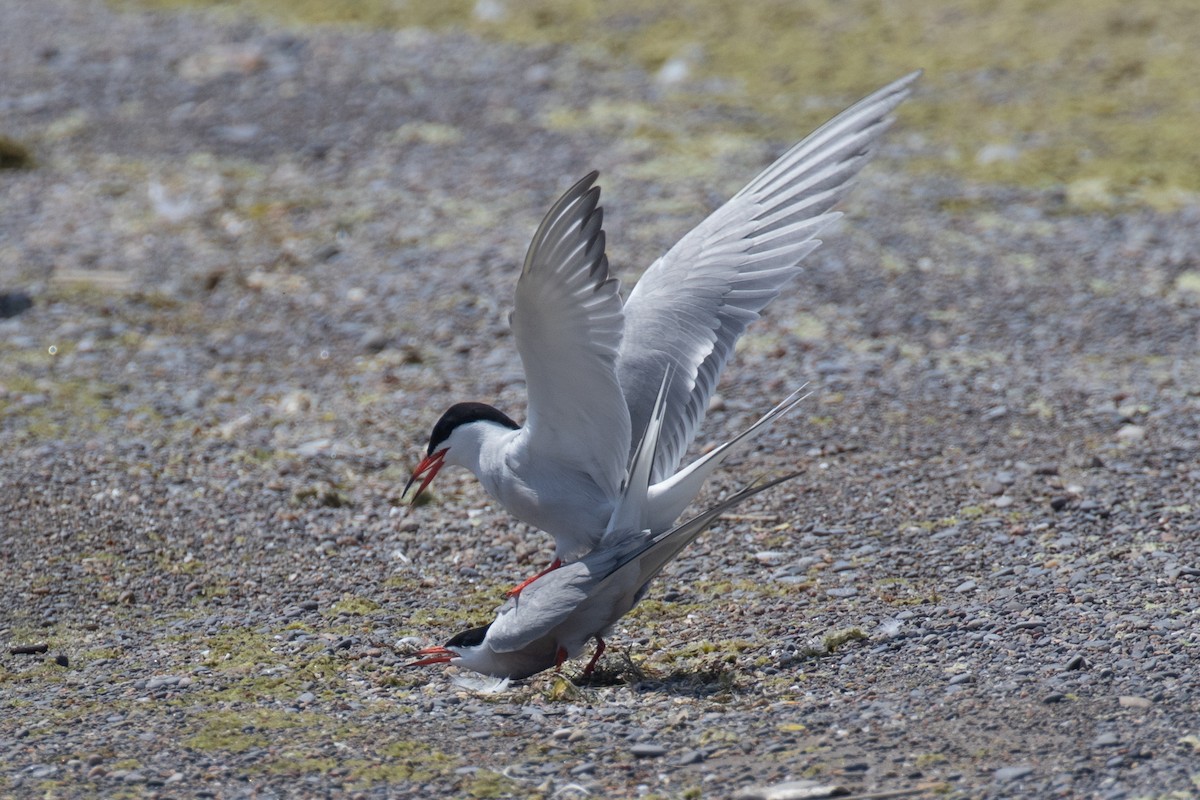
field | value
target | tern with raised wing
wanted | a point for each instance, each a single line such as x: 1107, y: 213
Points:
x: 593, y: 364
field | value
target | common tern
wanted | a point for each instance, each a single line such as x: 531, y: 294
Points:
x: 593, y: 365
x: 561, y: 610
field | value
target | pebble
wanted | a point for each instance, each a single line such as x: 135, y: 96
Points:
x: 1076, y: 661
x: 1106, y: 740
x: 842, y: 591
x: 1131, y: 433
x: 1130, y: 701
x: 1009, y: 774
x: 790, y: 790
x: 965, y: 586
x: 648, y: 750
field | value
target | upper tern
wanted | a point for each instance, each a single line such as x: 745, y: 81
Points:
x: 594, y: 365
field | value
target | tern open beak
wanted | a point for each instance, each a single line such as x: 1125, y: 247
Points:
x: 431, y: 464
x: 436, y: 655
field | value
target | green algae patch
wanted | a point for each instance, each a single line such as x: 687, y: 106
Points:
x: 238, y: 651
x: 350, y: 605
x: 838, y: 638
x: 1098, y: 98
x: 236, y: 731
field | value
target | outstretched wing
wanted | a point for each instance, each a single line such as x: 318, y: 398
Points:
x: 691, y: 306
x: 567, y: 324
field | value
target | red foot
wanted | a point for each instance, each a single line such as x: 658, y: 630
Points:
x: 599, y: 652
x: 516, y: 591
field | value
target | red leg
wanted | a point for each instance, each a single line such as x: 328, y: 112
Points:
x: 559, y: 658
x: 599, y: 652
x: 514, y: 592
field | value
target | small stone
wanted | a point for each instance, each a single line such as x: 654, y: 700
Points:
x: 1060, y: 502
x: 562, y: 733
x: 586, y: 768
x: 1131, y: 433
x: 965, y: 586
x: 62, y: 660
x: 1055, y: 697
x: 1131, y: 701
x: 994, y: 413
x: 962, y: 677
x: 304, y: 698
x: 373, y: 342
x: 690, y: 757
x: 648, y: 750
x: 1009, y: 774
x: 842, y: 591
x: 790, y: 790
x: 13, y: 303
x: 1106, y: 740
x: 1076, y: 661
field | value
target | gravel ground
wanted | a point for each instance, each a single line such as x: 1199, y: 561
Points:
x: 263, y: 261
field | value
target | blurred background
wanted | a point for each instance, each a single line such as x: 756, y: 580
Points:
x: 1098, y: 97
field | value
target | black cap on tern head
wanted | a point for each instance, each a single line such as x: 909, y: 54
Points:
x: 463, y: 413
x: 472, y: 638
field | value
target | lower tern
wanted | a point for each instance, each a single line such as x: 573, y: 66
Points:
x: 593, y: 364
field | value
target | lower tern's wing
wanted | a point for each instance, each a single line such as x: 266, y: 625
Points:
x: 546, y: 603
x: 690, y: 307
x: 567, y: 324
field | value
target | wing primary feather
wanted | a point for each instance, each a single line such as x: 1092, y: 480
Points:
x: 691, y: 306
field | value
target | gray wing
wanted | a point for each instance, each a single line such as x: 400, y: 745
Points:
x: 567, y: 324
x: 546, y: 603
x: 691, y: 306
